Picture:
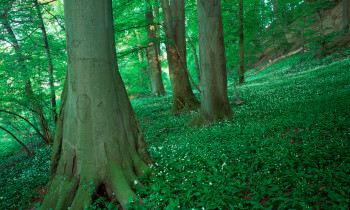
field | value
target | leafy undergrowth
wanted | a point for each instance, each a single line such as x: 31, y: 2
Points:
x: 22, y: 178
x: 287, y: 147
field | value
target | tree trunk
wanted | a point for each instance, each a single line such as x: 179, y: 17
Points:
x: 346, y: 16
x: 144, y: 80
x: 323, y: 49
x: 35, y: 105
x: 174, y: 21
x: 98, y: 143
x: 241, y: 44
x: 48, y: 55
x: 143, y: 70
x: 215, y: 104
x: 281, y: 35
x: 195, y: 56
x: 152, y: 55
x: 157, y: 29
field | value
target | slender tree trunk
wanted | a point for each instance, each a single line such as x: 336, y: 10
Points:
x: 144, y: 80
x: 215, y: 104
x: 143, y: 69
x: 152, y: 55
x: 346, y: 15
x: 36, y: 105
x: 195, y: 56
x: 174, y: 21
x: 280, y: 25
x: 98, y: 145
x: 241, y: 44
x: 323, y: 41
x: 157, y: 29
x: 48, y: 55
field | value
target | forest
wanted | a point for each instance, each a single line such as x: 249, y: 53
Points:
x: 174, y: 104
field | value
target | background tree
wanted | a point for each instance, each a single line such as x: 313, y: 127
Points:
x: 174, y: 27
x: 241, y: 43
x: 154, y: 66
x: 214, y: 100
x: 346, y: 16
x: 49, y: 58
x: 98, y: 139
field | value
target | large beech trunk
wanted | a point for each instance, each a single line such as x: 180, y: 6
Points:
x: 154, y: 67
x: 174, y: 21
x: 98, y: 143
x: 214, y: 100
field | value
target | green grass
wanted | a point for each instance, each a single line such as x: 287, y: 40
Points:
x: 287, y: 147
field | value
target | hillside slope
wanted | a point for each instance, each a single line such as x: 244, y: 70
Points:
x: 287, y: 147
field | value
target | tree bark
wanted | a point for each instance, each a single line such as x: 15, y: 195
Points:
x: 36, y: 106
x: 48, y: 56
x: 280, y: 25
x: 215, y: 104
x: 346, y: 16
x: 196, y: 61
x: 152, y: 55
x: 157, y: 29
x: 144, y: 80
x: 143, y: 69
x: 99, y: 144
x: 174, y: 27
x: 241, y: 44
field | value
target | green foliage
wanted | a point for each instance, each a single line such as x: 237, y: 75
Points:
x: 22, y: 179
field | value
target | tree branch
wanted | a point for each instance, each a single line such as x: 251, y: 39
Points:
x: 23, y: 145
x: 37, y: 131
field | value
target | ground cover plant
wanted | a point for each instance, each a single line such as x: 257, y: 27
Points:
x: 287, y: 147
x: 23, y: 179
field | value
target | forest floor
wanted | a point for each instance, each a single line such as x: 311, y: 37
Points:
x: 287, y: 147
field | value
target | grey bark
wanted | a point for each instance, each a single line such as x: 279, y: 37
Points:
x: 215, y: 104
x: 98, y: 143
x: 346, y: 16
x: 195, y: 56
